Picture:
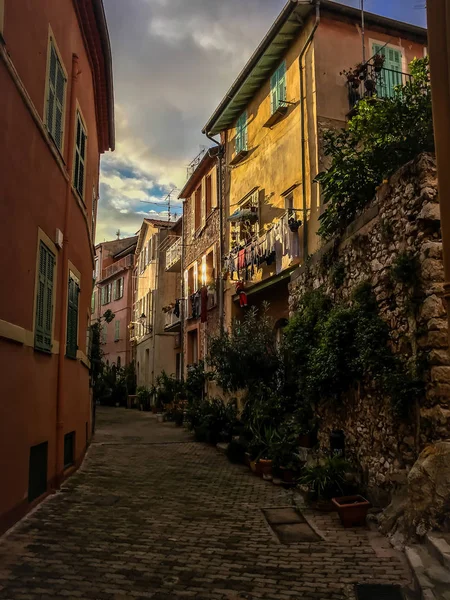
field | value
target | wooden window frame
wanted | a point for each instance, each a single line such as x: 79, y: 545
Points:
x: 241, y: 139
x: 42, y: 298
x: 52, y: 45
x: 275, y: 100
x: 77, y: 154
x: 73, y: 312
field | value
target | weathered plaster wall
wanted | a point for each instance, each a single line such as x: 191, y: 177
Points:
x: 404, y: 217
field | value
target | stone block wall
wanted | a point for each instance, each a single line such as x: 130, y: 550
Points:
x: 403, y: 218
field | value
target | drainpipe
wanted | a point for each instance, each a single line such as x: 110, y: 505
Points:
x: 302, y: 132
x: 220, y: 155
x: 65, y: 269
x: 182, y: 292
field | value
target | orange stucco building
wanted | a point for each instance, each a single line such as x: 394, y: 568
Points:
x: 56, y: 119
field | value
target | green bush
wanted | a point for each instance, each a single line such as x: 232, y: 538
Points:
x: 144, y: 397
x: 246, y: 357
x: 327, y: 480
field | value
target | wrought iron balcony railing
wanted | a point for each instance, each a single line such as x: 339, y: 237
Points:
x: 376, y: 83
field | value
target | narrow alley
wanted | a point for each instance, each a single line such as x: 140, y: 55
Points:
x: 152, y: 514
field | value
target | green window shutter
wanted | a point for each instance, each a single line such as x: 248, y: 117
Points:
x: 44, y: 300
x: 273, y: 93
x: 80, y: 156
x: 55, y: 100
x: 281, y: 83
x: 72, y: 319
x: 241, y: 133
x: 391, y: 73
x: 117, y: 331
x: 93, y: 302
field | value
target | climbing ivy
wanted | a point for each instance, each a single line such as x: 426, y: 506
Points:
x: 380, y: 138
x: 329, y: 348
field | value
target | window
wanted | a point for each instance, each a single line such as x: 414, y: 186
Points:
x: 44, y: 300
x: 93, y: 302
x: 80, y: 156
x: 241, y: 133
x: 391, y: 73
x: 106, y: 293
x: 96, y: 268
x: 192, y: 349
x: 278, y: 88
x: 72, y: 317
x: 118, y: 289
x: 196, y: 282
x: 198, y: 207
x: 37, y: 471
x: 116, y: 331
x: 242, y: 231
x: 55, y: 97
x: 2, y: 14
x: 104, y: 333
x: 69, y: 449
x: 208, y: 194
x: 289, y: 201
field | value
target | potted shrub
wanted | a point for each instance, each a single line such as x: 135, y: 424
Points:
x: 352, y: 510
x: 294, y: 224
x: 378, y: 62
x: 144, y: 396
x: 325, y: 481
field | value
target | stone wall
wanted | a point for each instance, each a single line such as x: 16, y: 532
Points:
x: 403, y: 218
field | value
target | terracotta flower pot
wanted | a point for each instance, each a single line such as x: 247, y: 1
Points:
x: 352, y: 510
x: 264, y: 467
x: 288, y: 475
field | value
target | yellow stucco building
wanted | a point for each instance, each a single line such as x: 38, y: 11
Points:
x: 271, y: 123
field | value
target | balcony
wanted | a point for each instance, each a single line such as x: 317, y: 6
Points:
x: 123, y: 263
x: 374, y: 83
x: 171, y: 321
x: 173, y: 257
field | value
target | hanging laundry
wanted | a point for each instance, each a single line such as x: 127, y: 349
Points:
x: 242, y: 295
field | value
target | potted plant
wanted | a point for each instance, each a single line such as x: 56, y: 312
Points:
x: 352, y: 510
x: 325, y: 481
x: 294, y: 224
x: 144, y: 397
x: 370, y: 85
x: 378, y: 62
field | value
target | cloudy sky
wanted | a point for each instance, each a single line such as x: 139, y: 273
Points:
x: 173, y: 62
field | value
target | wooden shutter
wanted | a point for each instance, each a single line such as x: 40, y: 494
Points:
x: 281, y: 84
x: 117, y: 331
x: 55, y: 99
x: 214, y: 189
x: 44, y: 300
x: 72, y: 318
x: 80, y: 156
x: 273, y: 93
x: 203, y: 201
x: 192, y: 203
x: 195, y: 276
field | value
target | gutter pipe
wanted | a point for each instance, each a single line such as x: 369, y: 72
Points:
x: 302, y: 130
x: 220, y: 155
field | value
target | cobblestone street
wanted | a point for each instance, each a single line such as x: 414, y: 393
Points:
x: 153, y: 515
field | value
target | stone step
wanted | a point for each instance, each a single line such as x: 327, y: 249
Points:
x: 438, y: 545
x: 431, y: 578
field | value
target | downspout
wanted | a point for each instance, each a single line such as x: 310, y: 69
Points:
x: 182, y: 292
x: 65, y: 269
x: 302, y: 132
x: 220, y: 156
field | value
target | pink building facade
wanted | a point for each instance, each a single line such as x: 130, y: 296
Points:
x: 114, y: 262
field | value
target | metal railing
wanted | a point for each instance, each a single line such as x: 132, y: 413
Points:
x: 170, y: 319
x: 376, y: 84
x: 123, y: 263
x: 173, y: 254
